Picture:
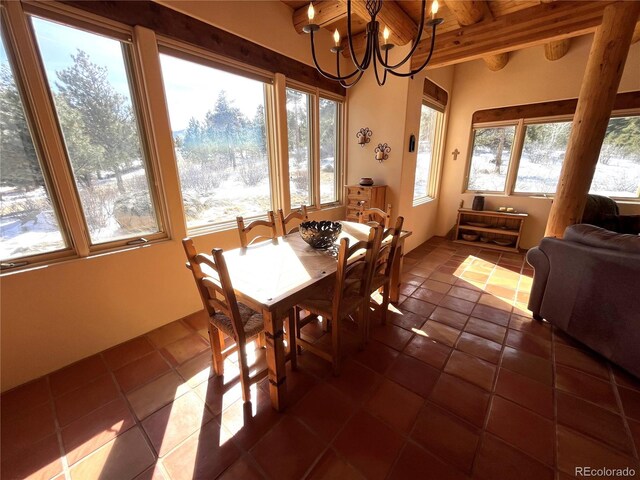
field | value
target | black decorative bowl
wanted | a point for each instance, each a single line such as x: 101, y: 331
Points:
x: 320, y: 234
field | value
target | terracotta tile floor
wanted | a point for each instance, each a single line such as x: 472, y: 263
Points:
x: 460, y: 383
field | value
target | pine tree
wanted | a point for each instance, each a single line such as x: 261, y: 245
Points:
x: 19, y: 166
x: 107, y: 115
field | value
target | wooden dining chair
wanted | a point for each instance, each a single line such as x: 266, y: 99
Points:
x: 243, y: 229
x: 366, y: 215
x: 283, y: 220
x: 348, y: 295
x: 226, y: 315
x: 383, y: 267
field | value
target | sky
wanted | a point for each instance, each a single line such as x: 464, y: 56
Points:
x: 191, y: 89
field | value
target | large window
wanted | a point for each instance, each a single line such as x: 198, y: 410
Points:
x: 542, y: 155
x: 89, y: 81
x: 329, y: 150
x: 220, y: 133
x: 490, y: 158
x: 29, y: 223
x: 313, y: 125
x: 618, y: 169
x: 79, y: 166
x: 87, y: 184
x: 299, y: 137
x: 428, y: 140
x: 538, y: 163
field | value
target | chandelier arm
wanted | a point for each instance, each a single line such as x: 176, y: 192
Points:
x: 428, y: 59
x: 326, y: 74
x: 349, y: 85
x: 365, y: 61
x: 342, y: 78
x: 375, y: 70
x: 413, y: 47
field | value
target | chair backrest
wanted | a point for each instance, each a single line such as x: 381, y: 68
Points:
x: 366, y: 215
x: 300, y: 214
x: 387, y: 250
x: 214, y: 285
x: 353, y: 278
x: 244, y: 229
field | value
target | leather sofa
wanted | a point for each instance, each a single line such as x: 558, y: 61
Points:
x: 588, y: 285
x: 604, y: 212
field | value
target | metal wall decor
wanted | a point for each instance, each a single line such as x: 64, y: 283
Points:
x: 382, y: 152
x: 364, y: 136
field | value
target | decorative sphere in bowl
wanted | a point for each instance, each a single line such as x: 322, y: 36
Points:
x: 321, y: 234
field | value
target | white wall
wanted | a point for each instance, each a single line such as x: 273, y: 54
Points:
x: 528, y: 78
x: 392, y: 112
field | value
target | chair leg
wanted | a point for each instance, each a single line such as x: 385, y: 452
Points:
x: 364, y: 316
x: 335, y: 342
x: 216, y: 350
x: 244, y: 373
x: 292, y: 333
x: 385, y: 304
x: 262, y: 343
x: 296, y: 320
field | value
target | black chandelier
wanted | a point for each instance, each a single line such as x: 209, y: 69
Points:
x: 373, y: 49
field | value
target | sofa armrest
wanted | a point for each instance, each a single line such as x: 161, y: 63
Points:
x: 540, y: 263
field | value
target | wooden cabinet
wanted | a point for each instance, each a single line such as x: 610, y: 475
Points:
x: 496, y: 230
x: 372, y: 197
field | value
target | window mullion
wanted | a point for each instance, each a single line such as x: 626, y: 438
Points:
x: 47, y: 131
x: 159, y: 133
x: 315, y: 150
x: 514, y: 164
x: 281, y: 147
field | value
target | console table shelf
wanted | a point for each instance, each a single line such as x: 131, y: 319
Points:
x: 491, y: 226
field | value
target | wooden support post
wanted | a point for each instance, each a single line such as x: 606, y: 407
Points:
x: 597, y: 95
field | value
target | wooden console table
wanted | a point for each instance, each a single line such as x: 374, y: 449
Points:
x: 490, y: 226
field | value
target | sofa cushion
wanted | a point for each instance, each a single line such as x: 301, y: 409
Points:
x: 599, y: 237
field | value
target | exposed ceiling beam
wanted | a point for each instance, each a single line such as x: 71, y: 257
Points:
x: 525, y: 28
x: 469, y: 12
x: 472, y: 12
x: 326, y: 13
x: 556, y: 50
x: 402, y: 27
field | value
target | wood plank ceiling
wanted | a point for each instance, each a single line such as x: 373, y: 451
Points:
x: 472, y: 29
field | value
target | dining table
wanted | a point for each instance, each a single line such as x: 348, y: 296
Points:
x: 275, y: 275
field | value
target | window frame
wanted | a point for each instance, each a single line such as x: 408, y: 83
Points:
x: 436, y: 155
x: 30, y: 76
x: 314, y: 128
x: 338, y: 168
x: 521, y: 135
x: 200, y: 56
x: 516, y: 141
x: 15, y: 64
x: 516, y: 153
x: 139, y: 97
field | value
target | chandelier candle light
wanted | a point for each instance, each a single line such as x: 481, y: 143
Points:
x: 373, y: 51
